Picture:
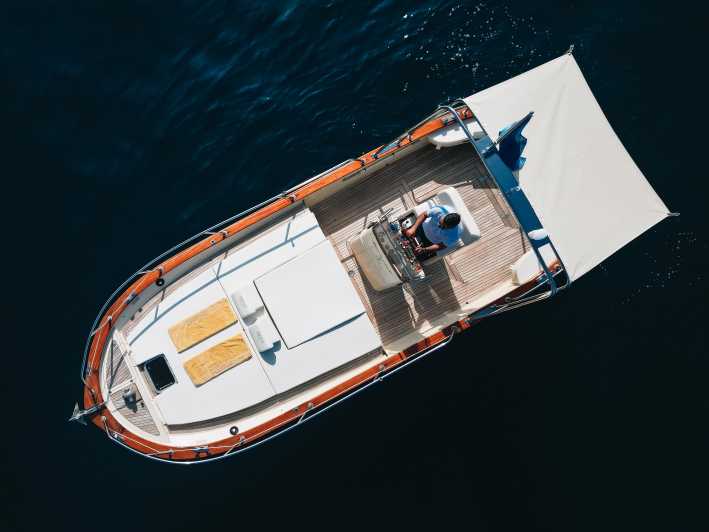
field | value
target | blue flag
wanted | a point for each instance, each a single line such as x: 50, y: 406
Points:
x: 512, y: 143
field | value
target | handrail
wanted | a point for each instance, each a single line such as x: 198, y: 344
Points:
x: 288, y: 425
x: 519, y: 301
x: 315, y: 178
x: 150, y: 265
x: 407, y: 133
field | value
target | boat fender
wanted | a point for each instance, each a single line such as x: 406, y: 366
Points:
x: 160, y: 281
x: 537, y: 234
x: 234, y: 430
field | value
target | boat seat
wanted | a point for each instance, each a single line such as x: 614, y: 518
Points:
x: 263, y: 333
x: 451, y: 200
x: 527, y: 267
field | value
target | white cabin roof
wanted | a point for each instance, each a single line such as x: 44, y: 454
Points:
x: 298, y: 249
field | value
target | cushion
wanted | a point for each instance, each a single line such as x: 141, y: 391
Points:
x: 247, y: 300
x: 216, y: 360
x: 263, y: 333
x: 202, y: 325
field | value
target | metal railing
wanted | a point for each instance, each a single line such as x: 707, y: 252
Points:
x: 527, y: 298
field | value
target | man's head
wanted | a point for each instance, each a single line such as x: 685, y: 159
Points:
x: 450, y: 220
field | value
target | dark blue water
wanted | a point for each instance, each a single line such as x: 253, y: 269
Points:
x: 128, y: 126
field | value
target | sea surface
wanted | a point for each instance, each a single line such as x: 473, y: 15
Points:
x: 129, y: 126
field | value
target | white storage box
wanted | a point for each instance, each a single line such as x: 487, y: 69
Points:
x: 247, y: 300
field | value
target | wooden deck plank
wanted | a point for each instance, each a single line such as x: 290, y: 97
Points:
x: 117, y: 368
x: 138, y: 415
x: 464, y: 274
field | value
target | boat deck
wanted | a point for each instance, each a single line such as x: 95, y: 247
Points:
x: 118, y: 379
x: 450, y: 283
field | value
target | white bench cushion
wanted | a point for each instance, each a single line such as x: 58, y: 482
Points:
x: 247, y: 300
x: 263, y: 333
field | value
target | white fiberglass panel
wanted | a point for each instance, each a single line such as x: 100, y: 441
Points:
x: 288, y: 368
x: 271, y: 249
x: 309, y: 295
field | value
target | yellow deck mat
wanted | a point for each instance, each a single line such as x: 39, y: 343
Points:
x: 216, y: 360
x: 204, y: 324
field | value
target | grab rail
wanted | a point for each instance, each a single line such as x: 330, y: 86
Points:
x: 315, y: 178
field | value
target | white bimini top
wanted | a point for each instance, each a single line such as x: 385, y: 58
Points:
x: 586, y: 190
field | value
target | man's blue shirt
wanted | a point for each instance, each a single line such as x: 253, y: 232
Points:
x: 435, y: 233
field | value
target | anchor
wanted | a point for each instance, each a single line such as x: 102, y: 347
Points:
x: 79, y: 415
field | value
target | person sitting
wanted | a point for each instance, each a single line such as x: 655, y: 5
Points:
x: 440, y: 228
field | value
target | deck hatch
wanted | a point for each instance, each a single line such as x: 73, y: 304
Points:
x: 320, y: 295
x: 159, y: 372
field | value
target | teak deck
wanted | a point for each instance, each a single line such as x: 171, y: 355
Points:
x: 459, y: 278
x: 118, y: 379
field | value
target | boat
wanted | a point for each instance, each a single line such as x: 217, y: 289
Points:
x: 272, y: 317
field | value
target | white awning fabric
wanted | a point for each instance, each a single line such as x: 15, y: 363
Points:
x: 588, y: 193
